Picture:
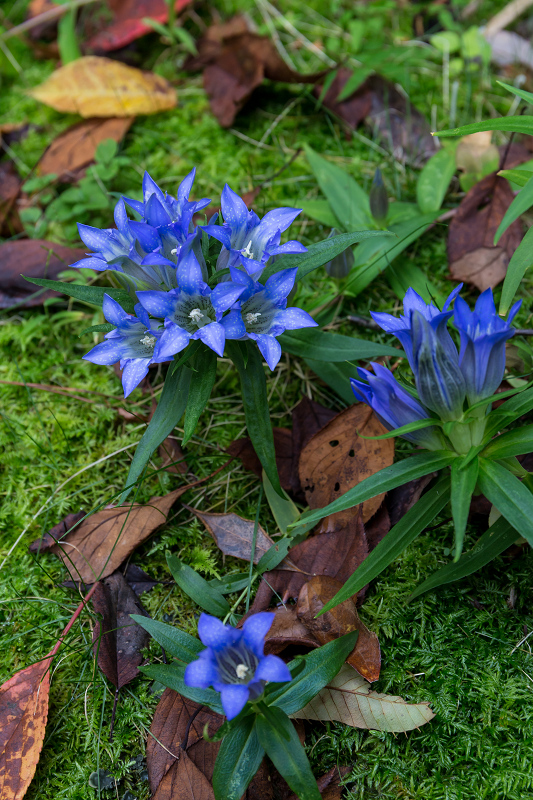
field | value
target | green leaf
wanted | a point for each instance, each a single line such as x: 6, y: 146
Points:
x: 417, y: 425
x: 282, y: 507
x: 527, y: 96
x: 331, y: 347
x: 204, y: 364
x: 231, y: 583
x: 88, y: 294
x: 282, y: 745
x: 255, y: 402
x: 416, y: 466
x: 398, y: 538
x: 238, y: 760
x: 521, y: 404
x: 520, y: 262
x: 434, y: 180
x: 517, y: 176
x: 347, y: 200
x: 353, y: 83
x: 198, y: 589
x: 464, y: 479
x: 520, y: 204
x: 513, y: 443
x: 336, y: 376
x: 320, y: 253
x: 512, y: 499
x: 498, y: 538
x: 172, y: 639
x: 320, y: 666
x: 104, y: 328
x: 319, y: 210
x: 517, y: 124
x: 274, y: 555
x: 172, y: 675
x: 168, y: 413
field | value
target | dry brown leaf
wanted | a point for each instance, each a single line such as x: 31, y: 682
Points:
x: 349, y: 699
x: 23, y: 715
x: 184, y: 781
x: 74, y: 149
x: 337, y: 459
x: 10, y: 185
x: 287, y: 631
x: 95, y: 86
x: 366, y: 655
x: 56, y: 533
x: 471, y: 253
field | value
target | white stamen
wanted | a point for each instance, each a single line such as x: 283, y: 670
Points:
x: 149, y: 341
x: 174, y: 252
x: 251, y: 318
x: 241, y: 671
x: 247, y: 253
x: 196, y: 315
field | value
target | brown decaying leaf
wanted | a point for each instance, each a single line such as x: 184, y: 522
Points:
x: 35, y: 258
x: 99, y: 545
x: 184, y: 781
x: 23, y: 714
x: 74, y: 149
x: 10, y: 185
x: 172, y: 456
x: 96, y: 86
x: 473, y: 257
x: 56, y: 533
x: 337, y: 459
x: 235, y: 62
x: 128, y: 25
x: 117, y: 639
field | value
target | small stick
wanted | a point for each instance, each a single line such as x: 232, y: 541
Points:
x: 73, y: 619
x: 46, y: 16
x: 507, y: 15
x: 183, y: 745
x: 364, y: 322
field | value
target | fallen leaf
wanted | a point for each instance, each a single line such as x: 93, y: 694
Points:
x: 377, y: 527
x: 349, y: 699
x: 236, y: 61
x: 172, y: 456
x: 96, y: 86
x: 128, y: 25
x: 23, y: 715
x: 56, y: 533
x: 74, y: 149
x: 401, y: 499
x: 366, y: 655
x: 244, y: 450
x: 99, y: 545
x: 471, y: 254
x: 117, y: 639
x: 184, y: 781
x: 10, y: 185
x: 288, y: 631
x: 139, y: 580
x: 336, y: 459
x: 35, y: 258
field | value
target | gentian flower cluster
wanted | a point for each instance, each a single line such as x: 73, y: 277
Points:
x: 234, y: 663
x: 448, y: 381
x: 191, y: 282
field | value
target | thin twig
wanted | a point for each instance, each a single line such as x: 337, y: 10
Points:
x: 188, y: 728
x: 364, y: 322
x: 73, y: 619
x: 507, y: 15
x: 46, y: 16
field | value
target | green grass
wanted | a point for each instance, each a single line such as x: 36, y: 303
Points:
x: 453, y: 648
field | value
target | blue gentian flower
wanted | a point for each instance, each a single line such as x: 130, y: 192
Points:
x: 262, y: 312
x: 483, y: 336
x: 192, y: 311
x: 249, y: 241
x: 401, y: 327
x: 114, y: 248
x: 234, y: 663
x: 136, y: 342
x: 394, y: 406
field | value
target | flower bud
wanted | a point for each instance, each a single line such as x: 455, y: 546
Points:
x: 379, y: 202
x: 340, y: 266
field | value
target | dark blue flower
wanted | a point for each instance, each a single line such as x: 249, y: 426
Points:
x: 192, y: 311
x: 247, y: 240
x: 135, y: 342
x: 234, y: 663
x: 483, y: 336
x: 394, y: 406
x: 262, y: 312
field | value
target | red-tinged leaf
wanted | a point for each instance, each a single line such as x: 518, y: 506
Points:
x: 23, y: 715
x: 128, y: 22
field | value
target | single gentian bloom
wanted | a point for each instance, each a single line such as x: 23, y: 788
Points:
x: 234, y: 663
x: 401, y: 326
x: 483, y: 336
x: 439, y: 380
x: 262, y: 313
x: 249, y: 241
x: 135, y: 342
x: 193, y: 310
x: 394, y: 406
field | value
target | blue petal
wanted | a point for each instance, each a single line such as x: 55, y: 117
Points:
x: 155, y: 212
x: 200, y: 674
x: 233, y: 325
x: 225, y: 294
x: 251, y: 265
x: 157, y: 260
x: 158, y: 304
x: 150, y: 187
x: 234, y: 208
x: 214, y: 336
x: 276, y: 220
x: 451, y: 297
x: 142, y: 315
x: 292, y: 246
x: 255, y: 629
x: 279, y: 285
x: 272, y: 668
x: 234, y: 698
x: 213, y: 633
x: 94, y: 238
x: 105, y: 353
x: 220, y: 232
x: 388, y: 322
x: 293, y: 318
x: 133, y: 373
x: 514, y: 311
x: 147, y: 236
x: 269, y: 347
x: 189, y: 274
x: 121, y: 218
x: 485, y: 307
x: 135, y: 204
x: 172, y: 341
x: 113, y: 311
x: 92, y: 262
x: 185, y: 187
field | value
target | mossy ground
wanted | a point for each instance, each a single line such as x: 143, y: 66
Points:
x: 453, y: 648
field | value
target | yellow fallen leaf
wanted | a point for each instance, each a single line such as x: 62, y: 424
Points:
x: 96, y: 86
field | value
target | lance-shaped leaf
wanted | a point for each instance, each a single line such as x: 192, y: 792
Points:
x: 198, y: 589
x: 333, y: 347
x: 513, y: 443
x: 255, y: 401
x: 521, y: 203
x: 335, y: 375
x: 399, y: 537
x: 521, y: 261
x: 434, y: 179
x: 498, y: 538
x: 515, y: 124
x: 510, y: 410
x: 238, y: 760
x: 389, y: 478
x: 204, y: 365
x: 172, y: 639
x: 509, y: 495
x: 87, y: 294
x: 349, y: 699
x: 347, y: 199
x: 464, y: 478
x: 168, y: 413
x: 172, y: 676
